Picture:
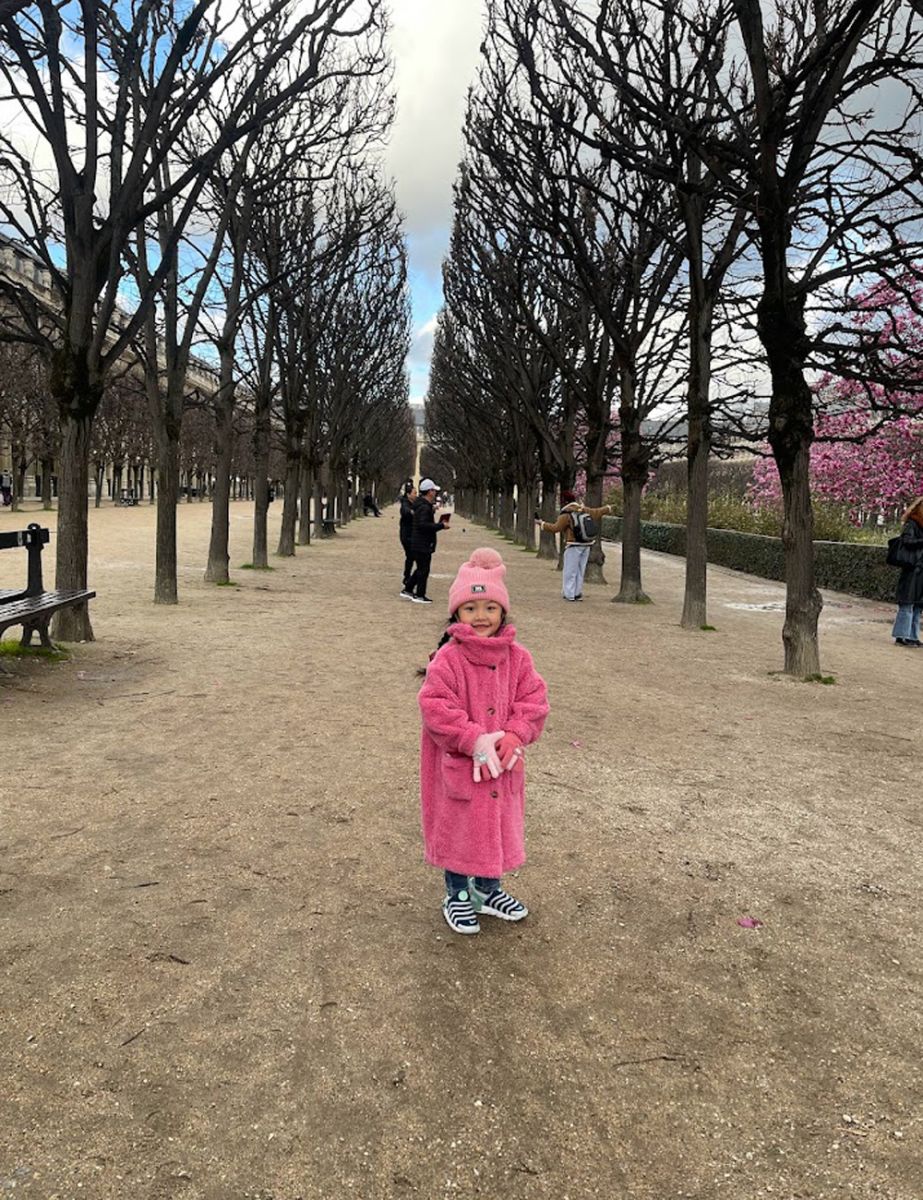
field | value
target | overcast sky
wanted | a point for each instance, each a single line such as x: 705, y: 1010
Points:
x: 435, y: 45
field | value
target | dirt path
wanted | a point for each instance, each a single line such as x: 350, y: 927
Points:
x: 223, y: 970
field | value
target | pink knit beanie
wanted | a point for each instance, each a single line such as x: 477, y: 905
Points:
x: 480, y: 578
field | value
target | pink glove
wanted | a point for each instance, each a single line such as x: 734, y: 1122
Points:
x: 509, y: 750
x: 485, y: 756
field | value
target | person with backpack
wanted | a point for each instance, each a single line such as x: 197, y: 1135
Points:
x: 580, y: 526
x: 906, y: 552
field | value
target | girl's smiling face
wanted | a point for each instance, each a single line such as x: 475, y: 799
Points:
x: 484, y: 616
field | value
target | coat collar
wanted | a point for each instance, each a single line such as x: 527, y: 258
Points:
x: 483, y: 651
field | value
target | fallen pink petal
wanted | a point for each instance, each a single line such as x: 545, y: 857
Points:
x: 749, y: 922
x: 577, y: 744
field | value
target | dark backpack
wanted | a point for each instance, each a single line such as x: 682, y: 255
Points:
x: 584, y: 527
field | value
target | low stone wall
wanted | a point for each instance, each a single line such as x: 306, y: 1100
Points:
x: 840, y: 566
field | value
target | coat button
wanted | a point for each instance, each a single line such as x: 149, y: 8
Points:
x: 491, y: 711
x: 494, y: 795
x: 493, y: 668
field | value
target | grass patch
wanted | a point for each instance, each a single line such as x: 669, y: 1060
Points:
x: 708, y: 628
x: 251, y: 567
x: 15, y: 650
x: 826, y: 680
x: 226, y: 583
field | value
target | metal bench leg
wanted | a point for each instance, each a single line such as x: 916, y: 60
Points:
x: 41, y: 628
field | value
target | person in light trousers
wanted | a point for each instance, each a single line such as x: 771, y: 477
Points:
x: 576, y: 554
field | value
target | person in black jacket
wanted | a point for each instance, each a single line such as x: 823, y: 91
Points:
x: 423, y: 541
x: 906, y: 631
x: 408, y: 496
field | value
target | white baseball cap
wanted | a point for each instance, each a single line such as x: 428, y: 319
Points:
x: 427, y: 485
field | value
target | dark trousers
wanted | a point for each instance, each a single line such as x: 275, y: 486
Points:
x: 420, y: 575
x: 455, y: 883
x: 408, y: 562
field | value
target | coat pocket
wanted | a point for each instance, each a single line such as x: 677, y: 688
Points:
x: 457, y: 776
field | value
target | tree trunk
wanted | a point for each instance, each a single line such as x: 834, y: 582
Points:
x: 165, y: 586
x: 782, y: 330
x: 286, y: 547
x: 261, y: 439
x: 698, y: 452
x: 505, y: 510
x: 547, y: 542
x: 525, y: 514
x: 330, y: 507
x: 98, y: 483
x: 47, y: 468
x: 260, y: 517
x: 19, y: 478
x: 695, y: 614
x: 634, y: 476
x: 73, y: 624
x: 304, y: 514
x: 216, y: 570
x: 597, y: 557
x: 16, y: 483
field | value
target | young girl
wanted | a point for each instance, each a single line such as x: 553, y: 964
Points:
x: 482, y: 702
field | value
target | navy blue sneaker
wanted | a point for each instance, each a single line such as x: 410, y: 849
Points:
x: 459, y: 913
x: 498, y: 904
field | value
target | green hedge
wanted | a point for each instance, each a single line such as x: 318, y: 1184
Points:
x: 840, y: 566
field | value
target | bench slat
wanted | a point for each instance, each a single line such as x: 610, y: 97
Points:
x: 18, y: 611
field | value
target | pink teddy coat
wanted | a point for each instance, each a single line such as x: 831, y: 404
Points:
x: 476, y: 685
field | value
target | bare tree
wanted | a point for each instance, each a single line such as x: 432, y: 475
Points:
x: 22, y: 409
x: 643, y: 71
x: 74, y: 75
x: 616, y: 244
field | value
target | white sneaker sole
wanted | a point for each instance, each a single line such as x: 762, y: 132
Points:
x: 486, y: 911
x: 404, y: 596
x: 456, y: 929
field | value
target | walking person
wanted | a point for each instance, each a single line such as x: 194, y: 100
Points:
x: 906, y: 630
x: 408, y: 496
x: 578, y: 540
x: 482, y: 703
x: 423, y: 536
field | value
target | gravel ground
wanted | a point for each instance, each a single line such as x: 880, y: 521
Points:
x: 223, y: 969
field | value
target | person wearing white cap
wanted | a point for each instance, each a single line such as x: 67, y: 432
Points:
x: 423, y: 541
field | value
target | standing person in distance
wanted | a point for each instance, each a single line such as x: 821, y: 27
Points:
x: 423, y: 540
x: 408, y: 497
x: 576, y: 552
x: 482, y: 703
x: 906, y: 630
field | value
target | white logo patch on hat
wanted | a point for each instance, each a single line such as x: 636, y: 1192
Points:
x: 478, y: 587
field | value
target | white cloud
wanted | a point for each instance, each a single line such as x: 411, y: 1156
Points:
x: 422, y: 345
x: 436, y: 47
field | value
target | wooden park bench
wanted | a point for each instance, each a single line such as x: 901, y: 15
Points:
x: 33, y: 607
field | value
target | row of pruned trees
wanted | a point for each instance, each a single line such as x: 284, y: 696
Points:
x: 122, y: 449
x: 182, y: 151
x: 659, y: 205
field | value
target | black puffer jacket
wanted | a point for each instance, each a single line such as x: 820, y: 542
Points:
x: 910, y: 584
x: 406, y: 519
x: 425, y: 527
